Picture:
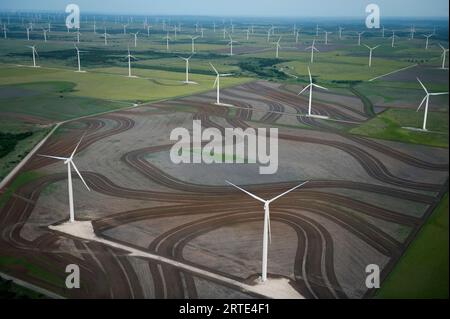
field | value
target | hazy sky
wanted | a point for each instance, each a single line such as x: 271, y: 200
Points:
x: 292, y: 8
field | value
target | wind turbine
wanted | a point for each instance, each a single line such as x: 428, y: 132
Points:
x: 217, y: 84
x: 69, y: 162
x: 444, y: 56
x: 78, y: 58
x: 326, y: 36
x: 125, y: 28
x: 45, y: 34
x: 269, y: 33
x: 340, y: 32
x: 393, y: 39
x: 248, y: 33
x: 187, y: 70
x: 413, y: 31
x: 78, y: 35
x: 193, y: 43
x: 129, y: 56
x: 4, y: 31
x: 383, y: 30
x: 359, y: 37
x: 426, y: 99
x: 278, y: 47
x: 267, y: 234
x: 313, y: 48
x: 370, y: 53
x: 135, y: 38
x: 310, y: 87
x: 28, y: 34
x: 167, y: 38
x: 231, y: 44
x: 105, y: 35
x: 148, y: 30
x: 427, y: 41
x: 297, y: 35
x: 202, y: 30
x: 317, y: 30
x: 33, y: 48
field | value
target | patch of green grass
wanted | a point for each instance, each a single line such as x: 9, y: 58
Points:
x: 9, y: 290
x: 18, y: 182
x: 422, y: 272
x: 10, y: 262
x: 389, y: 126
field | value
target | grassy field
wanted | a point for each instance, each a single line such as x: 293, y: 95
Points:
x: 389, y: 126
x: 422, y: 272
x: 19, y: 181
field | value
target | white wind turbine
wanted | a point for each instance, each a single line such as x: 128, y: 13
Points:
x: 187, y: 70
x: 393, y: 39
x: 105, y: 35
x: 167, y: 38
x: 78, y: 35
x: 45, y: 34
x: 4, y: 31
x: 359, y: 37
x: 278, y: 47
x: 129, y: 56
x: 310, y: 87
x: 444, y: 56
x: 217, y: 85
x: 313, y: 48
x: 69, y: 162
x: 248, y: 33
x: 231, y: 44
x: 425, y: 100
x: 224, y: 33
x: 340, y: 32
x: 202, y: 31
x: 193, y: 43
x: 370, y: 53
x: 148, y: 30
x: 413, y: 31
x: 326, y: 36
x: 267, y: 233
x: 428, y: 36
x: 33, y: 48
x: 135, y: 38
x: 297, y: 35
x: 28, y: 34
x: 125, y: 28
x: 78, y: 58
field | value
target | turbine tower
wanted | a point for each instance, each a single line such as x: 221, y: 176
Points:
x: 359, y: 37
x: 313, y: 48
x: 393, y: 39
x: 444, y: 56
x: 33, y: 48
x: 187, y: 70
x: 217, y: 84
x: 69, y: 162
x: 28, y: 34
x: 231, y: 44
x: 340, y: 32
x: 105, y: 35
x: 310, y: 87
x: 78, y: 35
x: 193, y: 44
x: 278, y: 47
x: 370, y: 53
x: 45, y: 34
x: 427, y: 36
x: 78, y: 58
x: 326, y: 36
x: 267, y: 234
x: 129, y: 56
x: 4, y: 31
x: 135, y: 38
x: 167, y: 38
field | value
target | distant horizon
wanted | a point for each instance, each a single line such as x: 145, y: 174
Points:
x: 241, y: 8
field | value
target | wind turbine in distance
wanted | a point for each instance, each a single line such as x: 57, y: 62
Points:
x: 393, y: 39
x: 167, y: 38
x: 413, y: 31
x: 326, y: 36
x: 425, y: 100
x: 33, y: 48
x: 69, y: 162
x: 78, y: 58
x: 45, y: 34
x: 444, y: 56
x: 267, y: 233
x: 340, y: 32
x: 428, y: 36
x: 370, y: 53
x: 248, y: 33
x: 231, y: 44
x: 125, y: 28
x: 297, y: 35
x: 106, y: 35
x: 217, y: 85
x: 135, y: 38
x: 193, y: 44
x: 359, y: 37
x: 187, y: 70
x: 4, y: 31
x: 278, y: 47
x: 129, y: 56
x: 310, y: 87
x: 313, y: 48
x: 148, y: 30
x: 28, y: 34
x: 78, y: 35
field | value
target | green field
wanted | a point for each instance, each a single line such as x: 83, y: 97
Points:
x: 389, y: 126
x: 422, y: 272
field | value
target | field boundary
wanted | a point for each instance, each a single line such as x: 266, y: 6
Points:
x: 32, y: 287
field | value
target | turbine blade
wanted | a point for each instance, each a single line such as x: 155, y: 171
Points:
x: 54, y: 157
x: 76, y: 147
x: 310, y: 76
x: 248, y: 193
x: 320, y: 87
x: 426, y: 96
x: 78, y: 172
x: 442, y: 93
x: 215, y: 82
x: 269, y: 226
x: 304, y: 89
x: 215, y: 70
x: 285, y: 193
x: 422, y: 85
